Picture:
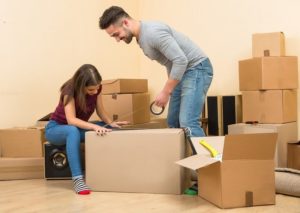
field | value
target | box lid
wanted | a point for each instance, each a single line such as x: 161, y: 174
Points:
x: 232, y: 147
x: 203, y: 157
x: 250, y: 146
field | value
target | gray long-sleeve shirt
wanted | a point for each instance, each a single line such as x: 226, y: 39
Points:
x: 170, y: 48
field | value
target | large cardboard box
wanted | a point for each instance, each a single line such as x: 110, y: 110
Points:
x: 22, y: 142
x: 136, y: 161
x: 268, y: 73
x: 287, y: 133
x: 270, y: 106
x: 114, y: 86
x: 268, y: 44
x: 130, y: 107
x: 293, y: 155
x: 242, y: 176
x: 21, y: 168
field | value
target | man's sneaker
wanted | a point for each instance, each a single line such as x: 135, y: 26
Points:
x: 193, y: 190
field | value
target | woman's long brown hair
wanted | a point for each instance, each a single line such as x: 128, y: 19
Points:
x: 86, y: 75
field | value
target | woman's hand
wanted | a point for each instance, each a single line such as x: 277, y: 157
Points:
x: 118, y: 124
x: 101, y: 130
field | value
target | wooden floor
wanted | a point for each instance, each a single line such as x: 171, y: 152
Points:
x: 57, y: 196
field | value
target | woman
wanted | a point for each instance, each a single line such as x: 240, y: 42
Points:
x: 80, y: 97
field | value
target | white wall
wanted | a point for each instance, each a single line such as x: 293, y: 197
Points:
x: 44, y: 42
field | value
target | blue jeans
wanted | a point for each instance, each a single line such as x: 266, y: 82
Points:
x: 188, y: 97
x: 71, y: 136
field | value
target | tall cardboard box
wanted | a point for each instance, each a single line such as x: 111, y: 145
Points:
x: 115, y: 86
x: 130, y: 107
x: 293, y: 156
x: 243, y: 176
x: 21, y: 168
x: 270, y: 106
x: 287, y: 133
x: 22, y: 142
x: 268, y: 44
x: 268, y: 73
x: 136, y: 161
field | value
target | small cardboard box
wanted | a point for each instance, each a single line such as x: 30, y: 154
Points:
x: 293, y: 156
x: 268, y: 73
x: 21, y: 168
x: 22, y: 142
x: 114, y: 86
x: 136, y: 161
x: 287, y: 133
x: 245, y: 174
x: 270, y: 106
x: 128, y: 107
x: 268, y: 44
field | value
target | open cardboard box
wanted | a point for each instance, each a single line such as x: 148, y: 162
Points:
x: 245, y: 174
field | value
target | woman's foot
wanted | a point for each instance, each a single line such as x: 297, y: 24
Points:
x: 80, y: 187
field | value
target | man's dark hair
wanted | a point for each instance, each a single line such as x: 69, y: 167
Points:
x: 111, y: 16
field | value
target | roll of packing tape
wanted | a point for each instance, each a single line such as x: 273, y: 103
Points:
x: 154, y: 112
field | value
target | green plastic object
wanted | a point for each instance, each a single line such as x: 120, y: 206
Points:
x: 190, y: 192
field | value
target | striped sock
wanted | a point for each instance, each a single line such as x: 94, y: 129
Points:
x: 80, y: 187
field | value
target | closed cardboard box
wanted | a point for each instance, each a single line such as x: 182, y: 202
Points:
x: 124, y: 86
x: 21, y: 168
x: 268, y: 73
x: 130, y: 107
x: 293, y: 156
x: 22, y: 142
x: 270, y: 106
x: 136, y: 161
x: 243, y: 175
x: 268, y: 44
x: 287, y: 133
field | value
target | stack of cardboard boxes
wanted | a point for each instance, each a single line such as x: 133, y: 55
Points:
x: 269, y: 83
x: 129, y: 100
x: 21, y: 153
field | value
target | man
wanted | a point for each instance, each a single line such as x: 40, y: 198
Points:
x: 189, y: 69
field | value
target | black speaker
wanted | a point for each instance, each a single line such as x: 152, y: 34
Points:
x: 214, y: 115
x: 223, y: 111
x: 232, y: 111
x: 56, y: 162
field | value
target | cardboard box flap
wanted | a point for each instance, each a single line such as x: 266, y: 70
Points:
x: 197, y: 161
x: 250, y: 146
x: 111, y: 81
x: 46, y: 117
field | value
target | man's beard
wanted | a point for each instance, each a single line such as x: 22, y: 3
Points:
x: 128, y: 37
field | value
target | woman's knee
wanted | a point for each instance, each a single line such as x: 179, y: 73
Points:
x: 73, y: 131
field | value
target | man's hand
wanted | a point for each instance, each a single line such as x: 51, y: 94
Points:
x: 162, y: 99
